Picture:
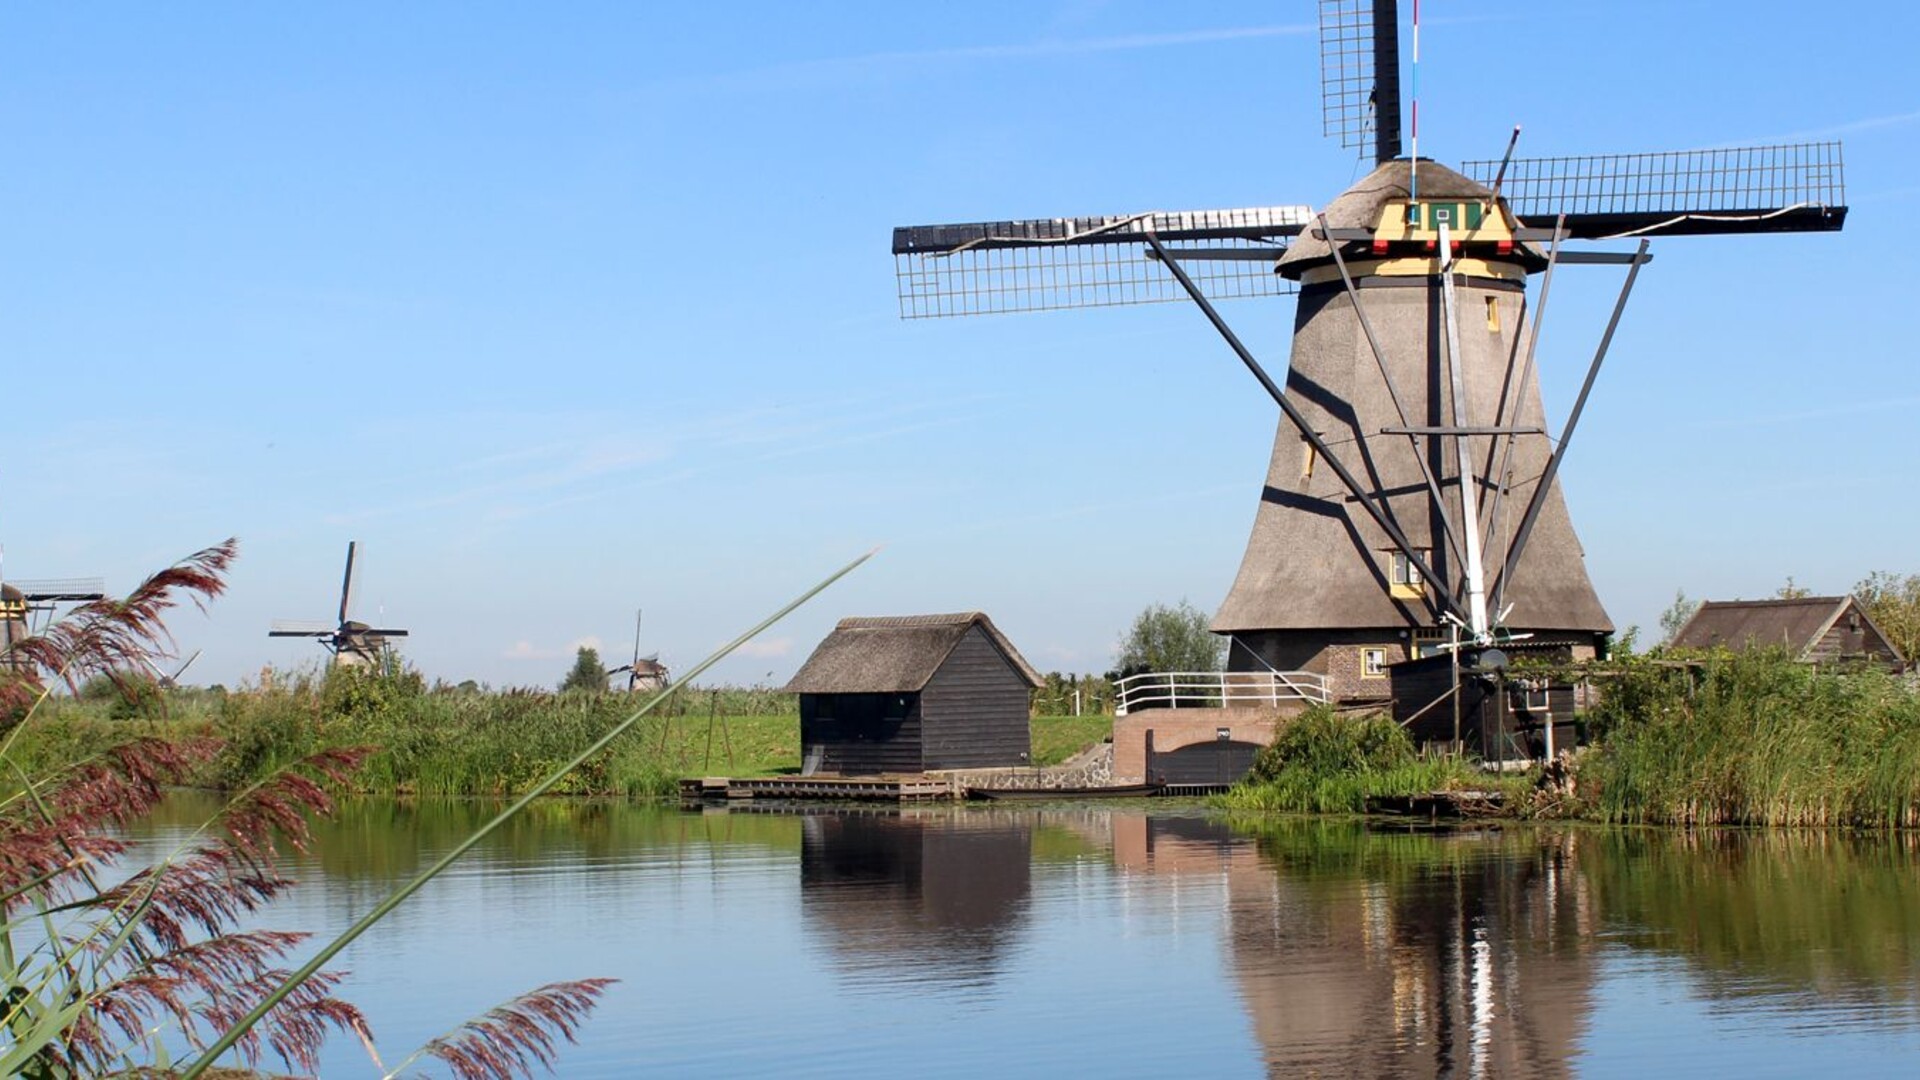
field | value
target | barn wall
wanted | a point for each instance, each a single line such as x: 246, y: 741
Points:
x: 1845, y: 642
x: 855, y: 734
x: 975, y: 708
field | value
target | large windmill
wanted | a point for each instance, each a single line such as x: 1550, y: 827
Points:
x: 1410, y: 506
x: 351, y: 643
x: 28, y: 606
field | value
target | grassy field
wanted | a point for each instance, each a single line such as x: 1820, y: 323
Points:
x: 465, y: 743
x: 1057, y: 738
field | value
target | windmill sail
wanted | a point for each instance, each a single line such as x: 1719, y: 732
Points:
x: 349, y: 641
x: 1360, y: 74
x: 1799, y: 187
x: 1412, y: 507
x: 1048, y: 264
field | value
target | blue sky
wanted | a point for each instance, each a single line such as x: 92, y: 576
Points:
x: 567, y: 309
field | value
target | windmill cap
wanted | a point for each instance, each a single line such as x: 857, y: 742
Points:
x: 1359, y: 207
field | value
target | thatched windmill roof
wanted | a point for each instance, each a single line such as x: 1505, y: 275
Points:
x: 1359, y: 207
x: 894, y: 654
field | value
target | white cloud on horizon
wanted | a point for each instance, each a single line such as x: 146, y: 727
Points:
x: 766, y: 649
x: 527, y: 650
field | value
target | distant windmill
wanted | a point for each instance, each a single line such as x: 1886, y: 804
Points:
x: 350, y: 642
x: 161, y: 677
x: 1411, y: 500
x: 643, y: 672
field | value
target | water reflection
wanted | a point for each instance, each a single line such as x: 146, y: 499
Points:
x: 1793, y: 916
x: 915, y: 896
x: 1415, y: 955
x: 1132, y: 941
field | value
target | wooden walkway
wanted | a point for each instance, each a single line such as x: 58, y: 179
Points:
x: 810, y: 788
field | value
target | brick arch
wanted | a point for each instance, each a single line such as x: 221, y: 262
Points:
x: 1176, y: 729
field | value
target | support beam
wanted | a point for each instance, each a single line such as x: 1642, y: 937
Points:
x: 1519, y: 400
x: 1320, y: 447
x: 1399, y: 407
x: 1573, y: 419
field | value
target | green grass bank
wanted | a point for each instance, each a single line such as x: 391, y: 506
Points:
x: 462, y: 742
x: 1750, y: 739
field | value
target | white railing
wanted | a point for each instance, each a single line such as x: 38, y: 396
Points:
x: 1215, y: 689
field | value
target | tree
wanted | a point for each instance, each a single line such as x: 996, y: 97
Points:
x: 1676, y: 616
x: 1791, y: 590
x: 1174, y: 638
x: 588, y: 672
x: 1893, y: 603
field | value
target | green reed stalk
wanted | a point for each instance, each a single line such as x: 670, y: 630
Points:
x: 385, y: 907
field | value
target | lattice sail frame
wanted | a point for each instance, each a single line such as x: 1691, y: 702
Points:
x: 1346, y: 71
x: 1782, y: 188
x: 1048, y: 264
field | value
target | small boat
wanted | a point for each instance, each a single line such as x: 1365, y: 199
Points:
x: 1124, y: 791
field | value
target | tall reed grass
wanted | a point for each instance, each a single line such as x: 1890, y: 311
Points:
x: 111, y: 970
x: 1325, y: 763
x: 1753, y: 739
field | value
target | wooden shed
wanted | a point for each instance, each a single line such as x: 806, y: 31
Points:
x: 908, y: 693
x: 1506, y: 717
x: 1812, y: 629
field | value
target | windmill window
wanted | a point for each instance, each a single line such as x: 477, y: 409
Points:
x: 1404, y: 570
x: 1308, y: 457
x: 1404, y: 577
x: 1429, y: 642
x: 1373, y: 663
x: 1493, y: 314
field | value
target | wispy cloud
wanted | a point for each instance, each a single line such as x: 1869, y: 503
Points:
x: 884, y: 63
x: 1871, y: 123
x: 766, y: 649
x: 1824, y: 412
x: 521, y: 482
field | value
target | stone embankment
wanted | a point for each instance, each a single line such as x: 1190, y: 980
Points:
x: 1090, y: 768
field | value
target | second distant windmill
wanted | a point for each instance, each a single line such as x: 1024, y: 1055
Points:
x: 644, y: 673
x: 352, y: 643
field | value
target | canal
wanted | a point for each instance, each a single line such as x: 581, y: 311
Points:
x: 1137, y: 941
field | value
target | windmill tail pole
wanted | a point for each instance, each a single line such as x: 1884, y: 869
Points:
x: 1573, y: 419
x: 382, y: 909
x: 1505, y: 160
x: 1320, y: 447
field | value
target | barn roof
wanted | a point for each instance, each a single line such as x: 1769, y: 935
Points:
x: 894, y: 654
x: 1795, y: 624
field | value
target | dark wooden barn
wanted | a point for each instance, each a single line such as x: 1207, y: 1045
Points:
x: 1812, y: 629
x: 1504, y: 717
x: 905, y: 694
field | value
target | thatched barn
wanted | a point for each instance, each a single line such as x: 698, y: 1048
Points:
x: 1322, y: 586
x: 905, y: 694
x: 1812, y: 629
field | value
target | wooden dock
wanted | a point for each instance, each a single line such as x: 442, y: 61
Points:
x: 818, y: 788
x: 1439, y: 805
